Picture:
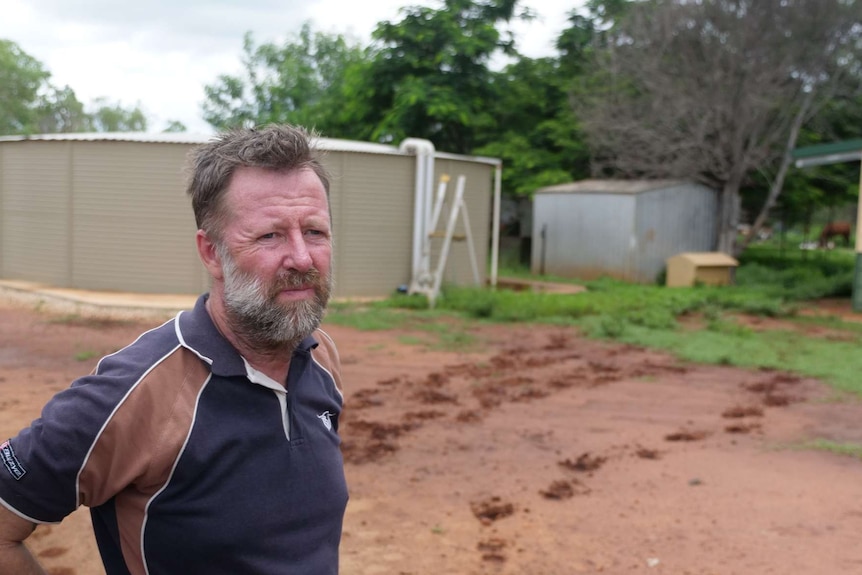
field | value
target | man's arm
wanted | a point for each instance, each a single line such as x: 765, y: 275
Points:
x: 14, y: 556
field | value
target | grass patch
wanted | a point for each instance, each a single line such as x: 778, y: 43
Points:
x: 847, y: 449
x: 769, y: 284
x: 837, y: 363
x: 445, y: 330
x: 85, y: 355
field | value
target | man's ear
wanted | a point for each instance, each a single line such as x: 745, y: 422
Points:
x: 209, y: 255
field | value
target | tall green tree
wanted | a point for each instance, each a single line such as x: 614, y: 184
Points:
x: 29, y: 103
x: 299, y: 82
x: 430, y: 76
x: 21, y: 78
x: 534, y: 130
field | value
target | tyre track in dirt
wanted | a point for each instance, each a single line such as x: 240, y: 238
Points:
x: 465, y: 393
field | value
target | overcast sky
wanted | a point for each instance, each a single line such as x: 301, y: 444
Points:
x: 161, y: 53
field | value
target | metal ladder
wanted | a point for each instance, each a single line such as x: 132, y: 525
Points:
x: 428, y: 282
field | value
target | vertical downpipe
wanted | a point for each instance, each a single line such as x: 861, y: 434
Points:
x: 424, y: 151
x: 495, y: 225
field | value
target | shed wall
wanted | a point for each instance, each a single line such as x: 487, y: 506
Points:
x: 586, y: 235
x: 34, y: 212
x: 623, y: 235
x: 372, y: 213
x: 110, y: 215
x: 144, y: 243
x: 670, y: 221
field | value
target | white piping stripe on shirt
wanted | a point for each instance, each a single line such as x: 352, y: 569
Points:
x: 171, y: 474
x: 338, y: 359
x: 108, y: 420
x: 186, y: 345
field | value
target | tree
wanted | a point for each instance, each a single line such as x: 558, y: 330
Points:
x: 59, y: 110
x: 429, y: 77
x: 299, y: 82
x: 107, y: 117
x: 29, y: 103
x: 175, y: 126
x: 534, y: 131
x: 715, y: 90
x: 822, y: 188
x: 21, y: 78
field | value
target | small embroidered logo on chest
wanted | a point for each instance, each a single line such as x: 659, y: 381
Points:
x: 325, y: 418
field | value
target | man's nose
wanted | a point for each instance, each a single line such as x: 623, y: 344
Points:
x: 296, y: 254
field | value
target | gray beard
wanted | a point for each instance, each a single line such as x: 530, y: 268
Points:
x: 259, y: 320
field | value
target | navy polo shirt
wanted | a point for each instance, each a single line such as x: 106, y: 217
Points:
x: 190, y: 461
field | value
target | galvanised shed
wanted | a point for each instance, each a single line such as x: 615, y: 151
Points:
x: 109, y: 212
x: 624, y: 229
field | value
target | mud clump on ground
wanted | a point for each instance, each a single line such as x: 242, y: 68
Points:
x: 491, y: 509
x: 584, y: 463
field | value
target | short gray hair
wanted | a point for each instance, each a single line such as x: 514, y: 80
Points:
x: 212, y: 165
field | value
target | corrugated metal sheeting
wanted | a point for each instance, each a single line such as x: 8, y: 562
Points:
x: 621, y: 229
x: 109, y: 212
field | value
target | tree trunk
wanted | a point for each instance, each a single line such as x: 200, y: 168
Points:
x: 778, y: 184
x: 728, y: 218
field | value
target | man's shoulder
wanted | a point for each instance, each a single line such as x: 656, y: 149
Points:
x: 148, y: 348
x: 326, y: 355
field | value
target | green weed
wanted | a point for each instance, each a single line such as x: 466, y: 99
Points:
x: 85, y: 355
x: 848, y: 449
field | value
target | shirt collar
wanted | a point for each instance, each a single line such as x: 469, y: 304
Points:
x: 198, y: 333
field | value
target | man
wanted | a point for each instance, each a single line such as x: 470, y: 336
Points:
x: 209, y: 445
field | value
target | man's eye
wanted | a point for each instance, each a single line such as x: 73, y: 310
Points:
x: 268, y: 236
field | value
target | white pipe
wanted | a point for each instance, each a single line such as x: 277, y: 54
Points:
x: 429, y: 207
x: 424, y: 151
x: 495, y: 225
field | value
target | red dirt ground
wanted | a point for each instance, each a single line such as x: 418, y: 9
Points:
x: 533, y: 452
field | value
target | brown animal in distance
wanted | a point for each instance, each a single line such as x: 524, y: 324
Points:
x: 835, y: 229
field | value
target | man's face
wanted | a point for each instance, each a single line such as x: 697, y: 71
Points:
x: 276, y: 255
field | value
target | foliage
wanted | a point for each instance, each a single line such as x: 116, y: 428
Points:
x: 29, y: 103
x: 302, y: 81
x: 175, y: 126
x: 820, y: 189
x: 769, y: 284
x: 429, y: 75
x: 535, y: 132
x: 107, y: 117
x: 653, y: 316
x: 21, y: 77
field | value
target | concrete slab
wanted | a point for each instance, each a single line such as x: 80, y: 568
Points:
x: 107, y: 305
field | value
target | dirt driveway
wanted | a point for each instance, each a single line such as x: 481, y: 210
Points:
x: 534, y: 452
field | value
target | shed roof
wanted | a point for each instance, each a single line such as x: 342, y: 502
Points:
x: 610, y: 186
x: 329, y: 144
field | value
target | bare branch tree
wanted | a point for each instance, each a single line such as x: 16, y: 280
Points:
x: 713, y: 90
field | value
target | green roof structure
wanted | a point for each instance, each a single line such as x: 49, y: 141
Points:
x: 822, y: 154
x: 834, y: 153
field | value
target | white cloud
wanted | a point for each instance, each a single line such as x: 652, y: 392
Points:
x: 161, y: 53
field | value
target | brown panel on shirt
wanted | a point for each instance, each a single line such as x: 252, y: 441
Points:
x: 136, y: 452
